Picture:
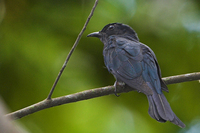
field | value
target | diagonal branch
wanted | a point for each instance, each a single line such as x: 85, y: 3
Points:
x: 93, y: 93
x: 72, y: 50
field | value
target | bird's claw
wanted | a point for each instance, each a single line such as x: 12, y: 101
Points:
x: 118, y: 84
x: 115, y: 92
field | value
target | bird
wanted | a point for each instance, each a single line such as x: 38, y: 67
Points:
x: 134, y: 64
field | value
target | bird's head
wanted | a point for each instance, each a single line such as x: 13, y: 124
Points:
x: 117, y: 29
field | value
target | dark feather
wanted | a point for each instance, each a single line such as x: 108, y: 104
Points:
x: 136, y: 65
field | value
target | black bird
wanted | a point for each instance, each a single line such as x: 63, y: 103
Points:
x: 134, y: 64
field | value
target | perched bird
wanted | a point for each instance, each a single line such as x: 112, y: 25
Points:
x: 134, y: 64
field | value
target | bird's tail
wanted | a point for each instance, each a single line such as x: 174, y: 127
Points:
x: 160, y: 110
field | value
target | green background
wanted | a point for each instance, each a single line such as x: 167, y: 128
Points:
x: 36, y: 36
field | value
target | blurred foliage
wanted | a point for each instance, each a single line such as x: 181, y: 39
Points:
x: 36, y: 36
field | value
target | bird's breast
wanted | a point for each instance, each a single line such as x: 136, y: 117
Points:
x: 113, y: 58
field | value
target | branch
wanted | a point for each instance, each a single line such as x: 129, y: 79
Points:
x: 182, y: 78
x: 72, y: 50
x: 93, y: 93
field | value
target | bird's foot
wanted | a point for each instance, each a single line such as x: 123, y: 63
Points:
x: 118, y: 84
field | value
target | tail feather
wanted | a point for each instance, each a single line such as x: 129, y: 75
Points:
x: 160, y: 110
x: 153, y: 111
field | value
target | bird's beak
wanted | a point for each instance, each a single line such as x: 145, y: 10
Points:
x: 94, y: 34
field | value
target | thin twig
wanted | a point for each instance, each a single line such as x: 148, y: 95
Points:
x: 93, y: 93
x: 72, y: 49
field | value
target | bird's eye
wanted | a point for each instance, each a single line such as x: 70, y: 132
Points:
x: 111, y: 27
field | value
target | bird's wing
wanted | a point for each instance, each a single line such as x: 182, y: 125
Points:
x: 163, y: 85
x: 135, y: 65
x: 150, y: 69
